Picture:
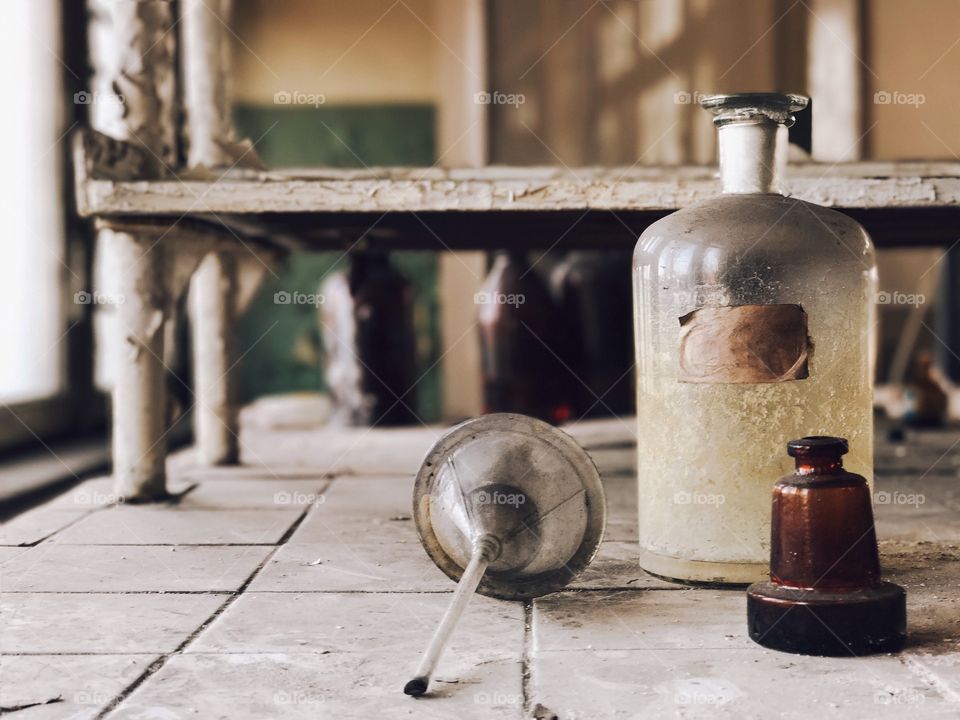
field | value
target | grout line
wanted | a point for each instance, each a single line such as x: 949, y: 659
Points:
x: 527, y: 655
x: 73, y: 522
x: 155, y: 666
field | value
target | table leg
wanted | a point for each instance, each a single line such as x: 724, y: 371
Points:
x: 214, y: 306
x: 139, y: 417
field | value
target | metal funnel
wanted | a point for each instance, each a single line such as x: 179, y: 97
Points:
x: 509, y: 507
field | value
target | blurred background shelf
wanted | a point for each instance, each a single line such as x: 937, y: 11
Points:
x: 900, y: 203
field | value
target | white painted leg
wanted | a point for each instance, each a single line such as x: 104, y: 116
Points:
x: 139, y: 397
x: 213, y: 311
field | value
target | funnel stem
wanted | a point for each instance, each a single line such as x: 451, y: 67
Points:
x: 484, y: 551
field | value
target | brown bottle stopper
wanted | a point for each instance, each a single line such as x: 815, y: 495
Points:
x: 825, y: 595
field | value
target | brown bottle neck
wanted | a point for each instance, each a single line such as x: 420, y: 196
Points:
x: 819, y: 465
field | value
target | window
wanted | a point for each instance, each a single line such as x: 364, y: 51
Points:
x: 38, y: 312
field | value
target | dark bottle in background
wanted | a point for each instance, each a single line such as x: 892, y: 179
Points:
x: 594, y: 295
x: 521, y: 334
x: 370, y: 342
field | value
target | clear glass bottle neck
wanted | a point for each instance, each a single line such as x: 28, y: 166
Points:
x: 752, y: 156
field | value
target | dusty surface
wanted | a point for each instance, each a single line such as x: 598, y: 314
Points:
x: 848, y: 185
x: 302, y: 592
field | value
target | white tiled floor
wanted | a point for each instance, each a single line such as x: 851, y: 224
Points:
x: 298, y: 595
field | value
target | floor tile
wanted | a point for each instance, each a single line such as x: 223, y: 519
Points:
x: 397, y: 625
x: 731, y: 684
x: 53, y: 567
x: 344, y: 565
x: 361, y: 509
x: 320, y: 528
x: 625, y: 530
x: 35, y: 525
x: 641, y: 620
x: 351, y: 451
x: 311, y: 686
x: 89, y: 494
x: 382, y: 497
x: 100, y: 623
x: 930, y: 573
x: 617, y: 565
x: 267, y: 494
x: 84, y: 684
x: 157, y: 525
x: 928, y: 522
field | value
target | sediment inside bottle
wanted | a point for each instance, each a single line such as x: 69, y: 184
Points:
x: 709, y: 454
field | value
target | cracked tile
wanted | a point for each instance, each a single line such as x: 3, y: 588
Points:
x: 84, y: 684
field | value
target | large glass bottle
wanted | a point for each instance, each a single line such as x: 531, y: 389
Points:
x: 753, y: 325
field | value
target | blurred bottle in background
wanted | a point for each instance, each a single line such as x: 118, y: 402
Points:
x: 593, y: 292
x: 521, y: 334
x: 366, y: 321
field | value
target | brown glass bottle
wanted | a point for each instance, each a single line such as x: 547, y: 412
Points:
x: 370, y: 342
x: 825, y: 595
x: 595, y: 297
x: 521, y: 342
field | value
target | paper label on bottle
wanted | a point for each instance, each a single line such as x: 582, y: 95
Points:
x: 744, y: 344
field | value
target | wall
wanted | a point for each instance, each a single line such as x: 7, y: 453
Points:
x: 913, y: 50
x: 352, y: 51
x: 614, y: 83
